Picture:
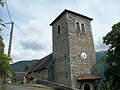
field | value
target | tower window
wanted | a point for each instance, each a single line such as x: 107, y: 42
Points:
x: 58, y: 29
x: 65, y: 56
x: 78, y: 26
x: 66, y: 75
x: 82, y: 27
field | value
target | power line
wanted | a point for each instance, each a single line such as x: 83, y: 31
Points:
x: 8, y: 11
x: 21, y: 29
x: 30, y: 38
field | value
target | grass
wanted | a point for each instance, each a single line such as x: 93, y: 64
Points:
x: 3, y: 87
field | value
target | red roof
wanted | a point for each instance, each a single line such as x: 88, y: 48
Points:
x: 87, y: 77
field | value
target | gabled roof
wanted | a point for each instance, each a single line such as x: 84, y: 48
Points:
x: 72, y: 13
x: 42, y: 63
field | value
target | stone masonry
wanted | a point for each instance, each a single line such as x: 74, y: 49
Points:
x: 73, y: 61
x: 73, y: 50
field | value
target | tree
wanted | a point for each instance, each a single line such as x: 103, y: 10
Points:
x: 1, y: 44
x: 4, y: 60
x: 26, y: 67
x: 1, y: 3
x: 104, y: 85
x: 112, y: 57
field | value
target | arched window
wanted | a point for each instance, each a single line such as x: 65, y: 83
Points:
x: 86, y: 87
x: 82, y: 27
x: 77, y: 26
x: 58, y: 29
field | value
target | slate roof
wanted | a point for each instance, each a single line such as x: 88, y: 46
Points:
x: 70, y: 12
x: 42, y: 63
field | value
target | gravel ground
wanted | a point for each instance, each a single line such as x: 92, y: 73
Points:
x: 28, y: 87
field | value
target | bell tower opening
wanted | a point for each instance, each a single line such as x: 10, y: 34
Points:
x: 78, y: 26
x: 82, y: 27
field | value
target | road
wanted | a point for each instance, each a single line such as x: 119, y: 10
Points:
x: 14, y: 87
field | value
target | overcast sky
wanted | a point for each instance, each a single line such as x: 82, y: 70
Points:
x: 34, y: 17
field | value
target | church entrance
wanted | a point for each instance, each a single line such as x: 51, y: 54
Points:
x: 86, y: 87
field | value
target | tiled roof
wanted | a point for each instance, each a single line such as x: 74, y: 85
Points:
x: 87, y: 77
x: 42, y: 63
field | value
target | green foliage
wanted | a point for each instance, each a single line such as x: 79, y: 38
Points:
x: 26, y: 67
x: 112, y: 57
x: 4, y: 62
x: 20, y: 66
x: 1, y: 3
x: 1, y: 45
x: 100, y: 63
x: 104, y: 85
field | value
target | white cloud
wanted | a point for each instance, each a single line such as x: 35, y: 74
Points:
x: 34, y: 17
x: 36, y: 45
x: 99, y: 46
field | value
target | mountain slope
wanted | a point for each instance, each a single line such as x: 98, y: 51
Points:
x: 19, y: 66
x: 100, y: 64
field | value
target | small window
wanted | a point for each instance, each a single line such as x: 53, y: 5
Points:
x: 78, y: 26
x: 58, y: 29
x: 66, y: 75
x: 65, y: 56
x: 82, y: 27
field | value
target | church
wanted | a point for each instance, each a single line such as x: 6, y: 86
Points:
x: 73, y: 61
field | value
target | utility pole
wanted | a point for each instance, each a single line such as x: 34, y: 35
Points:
x: 10, y: 40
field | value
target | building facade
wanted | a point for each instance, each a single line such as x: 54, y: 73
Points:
x: 73, y: 51
x: 19, y: 76
x: 73, y: 61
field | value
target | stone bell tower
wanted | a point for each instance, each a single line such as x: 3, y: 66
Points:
x: 73, y: 51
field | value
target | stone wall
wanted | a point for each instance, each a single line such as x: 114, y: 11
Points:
x: 60, y: 52
x: 51, y: 71
x: 42, y: 74
x: 56, y: 86
x: 80, y: 42
x: 73, y: 49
